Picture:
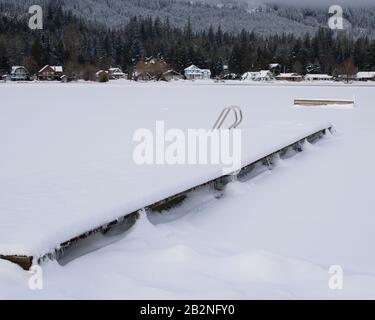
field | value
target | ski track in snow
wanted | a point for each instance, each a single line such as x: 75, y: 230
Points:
x: 271, y: 237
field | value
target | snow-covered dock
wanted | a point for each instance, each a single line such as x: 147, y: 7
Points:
x: 68, y: 168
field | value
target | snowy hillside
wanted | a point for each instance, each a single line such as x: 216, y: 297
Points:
x: 231, y: 15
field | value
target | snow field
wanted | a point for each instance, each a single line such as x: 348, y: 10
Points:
x: 271, y: 237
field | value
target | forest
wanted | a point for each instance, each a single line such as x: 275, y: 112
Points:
x: 84, y: 47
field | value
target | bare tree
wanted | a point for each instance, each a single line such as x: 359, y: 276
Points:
x: 298, y: 67
x: 151, y: 69
x: 348, y: 69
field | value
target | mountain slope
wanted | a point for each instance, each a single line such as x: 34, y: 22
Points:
x: 232, y: 15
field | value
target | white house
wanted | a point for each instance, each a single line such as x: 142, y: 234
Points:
x: 116, y: 73
x: 366, y: 76
x: 195, y: 73
x: 318, y: 77
x: 263, y: 75
x: 19, y: 73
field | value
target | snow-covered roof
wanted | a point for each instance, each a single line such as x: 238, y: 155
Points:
x: 366, y: 75
x: 114, y: 70
x: 55, y: 68
x: 192, y: 67
x: 256, y: 75
x: 288, y: 75
x: 274, y: 65
x: 264, y: 73
x: 119, y: 73
x: 44, y: 68
x: 173, y: 71
x: 319, y: 76
x: 14, y: 68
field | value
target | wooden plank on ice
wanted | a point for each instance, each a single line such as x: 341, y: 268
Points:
x: 23, y: 261
x: 321, y: 102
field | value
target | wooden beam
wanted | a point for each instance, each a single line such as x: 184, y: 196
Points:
x: 24, y: 262
x: 321, y: 102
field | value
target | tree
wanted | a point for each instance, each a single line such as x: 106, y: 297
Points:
x: 236, y: 60
x: 4, y: 61
x: 36, y: 52
x: 81, y: 46
x: 103, y: 76
x: 348, y: 69
x: 298, y: 67
x: 154, y: 68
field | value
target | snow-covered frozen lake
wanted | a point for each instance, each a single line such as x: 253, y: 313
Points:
x: 66, y: 152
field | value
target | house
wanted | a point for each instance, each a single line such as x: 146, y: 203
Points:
x: 263, y: 75
x: 151, y: 69
x: 366, y: 76
x: 116, y: 73
x: 195, y: 73
x: 292, y: 77
x: 19, y: 73
x: 318, y: 77
x: 275, y: 68
x: 48, y: 73
x: 172, y: 75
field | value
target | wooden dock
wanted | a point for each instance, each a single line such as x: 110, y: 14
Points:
x: 83, y: 243
x: 321, y: 102
x: 23, y: 261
